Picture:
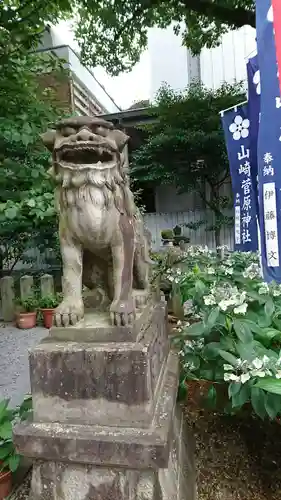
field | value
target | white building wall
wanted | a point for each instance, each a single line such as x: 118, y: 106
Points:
x: 170, y: 62
x: 226, y: 63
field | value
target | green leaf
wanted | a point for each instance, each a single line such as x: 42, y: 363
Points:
x: 200, y: 287
x: 234, y: 388
x: 242, y: 331
x: 241, y: 397
x: 246, y: 351
x: 264, y: 321
x: 254, y: 327
x: 269, y: 308
x: 11, y: 213
x: 211, y: 398
x: 14, y: 462
x: 31, y: 203
x: 272, y: 405
x: 211, y: 350
x: 182, y: 390
x: 195, y: 330
x: 213, y: 317
x: 6, y: 430
x: 3, y: 406
x: 5, y: 450
x: 270, y: 333
x: 256, y: 296
x: 269, y: 384
x: 258, y: 402
x: 232, y: 360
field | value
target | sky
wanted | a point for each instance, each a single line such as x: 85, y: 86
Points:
x: 125, y: 88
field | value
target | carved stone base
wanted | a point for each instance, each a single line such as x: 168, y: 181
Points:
x: 73, y: 481
x: 105, y: 424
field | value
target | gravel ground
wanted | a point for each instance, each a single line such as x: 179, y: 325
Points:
x: 14, y: 370
x: 237, y: 458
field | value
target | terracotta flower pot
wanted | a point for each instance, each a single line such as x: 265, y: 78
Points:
x: 25, y: 321
x: 48, y: 315
x: 5, y: 484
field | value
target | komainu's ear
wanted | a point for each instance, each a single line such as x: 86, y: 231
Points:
x: 48, y: 139
x: 120, y: 138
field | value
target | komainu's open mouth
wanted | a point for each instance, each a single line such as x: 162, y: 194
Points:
x: 85, y: 155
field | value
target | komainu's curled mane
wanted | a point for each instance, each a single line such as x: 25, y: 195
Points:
x: 103, y: 240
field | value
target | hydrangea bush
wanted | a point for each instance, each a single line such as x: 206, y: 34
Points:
x: 231, y: 333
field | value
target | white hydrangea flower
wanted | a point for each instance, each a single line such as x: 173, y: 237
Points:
x: 258, y: 373
x: 228, y: 368
x: 264, y: 289
x: 229, y: 271
x: 245, y: 377
x: 210, y: 270
x: 252, y: 271
x: 257, y: 363
x: 265, y: 359
x: 224, y: 304
x: 209, y: 300
x: 231, y: 377
x: 239, y: 128
x: 242, y: 309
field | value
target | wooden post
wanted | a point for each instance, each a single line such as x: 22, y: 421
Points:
x: 47, y: 285
x: 7, y: 298
x: 26, y: 287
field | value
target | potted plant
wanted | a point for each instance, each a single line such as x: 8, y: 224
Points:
x: 26, y: 316
x: 9, y: 458
x: 167, y: 236
x: 47, y: 305
x: 179, y: 237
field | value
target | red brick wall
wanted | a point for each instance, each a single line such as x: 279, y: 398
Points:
x: 61, y: 87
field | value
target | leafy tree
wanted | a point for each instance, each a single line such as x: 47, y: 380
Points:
x: 23, y: 21
x: 113, y: 33
x: 27, y: 215
x: 185, y: 145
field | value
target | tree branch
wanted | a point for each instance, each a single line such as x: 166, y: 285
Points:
x: 237, y: 16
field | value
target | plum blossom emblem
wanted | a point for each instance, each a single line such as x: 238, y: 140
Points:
x: 257, y: 81
x: 239, y: 128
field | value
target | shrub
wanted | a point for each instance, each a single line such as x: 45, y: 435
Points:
x: 9, y: 458
x: 232, y: 328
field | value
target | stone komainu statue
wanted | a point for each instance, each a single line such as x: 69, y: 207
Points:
x: 101, y: 231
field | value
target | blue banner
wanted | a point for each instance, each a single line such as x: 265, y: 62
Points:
x: 254, y: 95
x: 269, y: 145
x: 236, y: 125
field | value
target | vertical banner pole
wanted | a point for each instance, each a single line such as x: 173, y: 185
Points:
x: 276, y: 5
x: 269, y: 144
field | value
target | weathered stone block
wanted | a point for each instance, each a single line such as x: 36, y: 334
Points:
x: 117, y: 434
x: 47, y: 285
x: 88, y: 380
x: 169, y: 477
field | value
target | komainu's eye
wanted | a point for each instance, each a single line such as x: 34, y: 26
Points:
x: 67, y: 131
x: 101, y: 131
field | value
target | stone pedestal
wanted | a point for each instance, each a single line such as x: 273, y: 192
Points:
x: 106, y: 425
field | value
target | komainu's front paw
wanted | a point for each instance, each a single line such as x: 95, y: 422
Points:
x: 69, y: 312
x: 122, y: 312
